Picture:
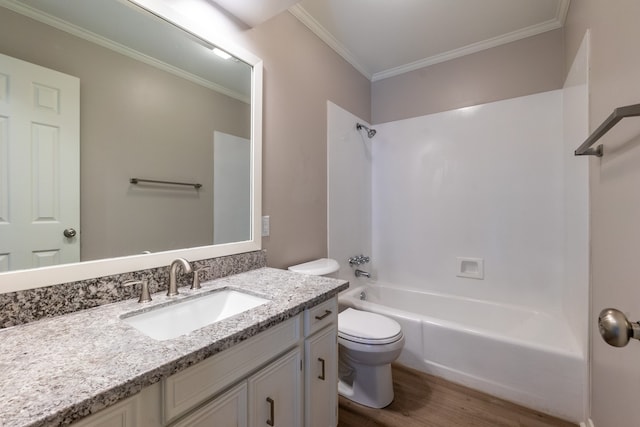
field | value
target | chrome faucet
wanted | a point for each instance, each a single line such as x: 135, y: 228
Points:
x: 358, y: 260
x: 360, y: 273
x: 173, y: 270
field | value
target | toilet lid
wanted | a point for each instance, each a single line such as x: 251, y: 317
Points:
x: 319, y: 267
x: 367, y: 328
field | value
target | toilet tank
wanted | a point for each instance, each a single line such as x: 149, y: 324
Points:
x: 319, y: 267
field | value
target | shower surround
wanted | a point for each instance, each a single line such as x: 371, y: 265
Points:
x: 482, y: 182
x: 496, y: 182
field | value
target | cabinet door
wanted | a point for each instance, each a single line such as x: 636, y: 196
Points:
x: 187, y: 389
x: 140, y: 410
x: 228, y: 410
x: 275, y: 393
x: 122, y: 414
x: 321, y: 379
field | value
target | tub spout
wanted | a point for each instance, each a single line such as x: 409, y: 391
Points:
x: 360, y: 273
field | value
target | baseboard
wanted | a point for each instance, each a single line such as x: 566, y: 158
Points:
x: 588, y: 423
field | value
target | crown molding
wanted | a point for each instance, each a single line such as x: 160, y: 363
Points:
x: 470, y: 49
x: 311, y: 23
x: 72, y: 29
x: 324, y: 35
x: 561, y: 12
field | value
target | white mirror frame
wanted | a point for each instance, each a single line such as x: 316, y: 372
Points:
x: 28, y: 279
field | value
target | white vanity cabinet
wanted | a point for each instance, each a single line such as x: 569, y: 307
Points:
x: 270, y: 397
x: 241, y: 363
x: 321, y: 379
x: 321, y: 365
x: 285, y: 376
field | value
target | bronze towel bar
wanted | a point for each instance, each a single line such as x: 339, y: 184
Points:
x: 617, y: 115
x: 153, y: 181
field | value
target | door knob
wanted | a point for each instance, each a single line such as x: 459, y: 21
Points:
x: 616, y: 329
x: 69, y: 232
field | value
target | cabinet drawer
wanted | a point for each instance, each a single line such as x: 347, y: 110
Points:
x: 122, y: 414
x: 320, y: 316
x: 197, y: 383
x: 228, y: 410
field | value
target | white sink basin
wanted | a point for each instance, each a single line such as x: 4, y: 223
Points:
x: 193, y: 313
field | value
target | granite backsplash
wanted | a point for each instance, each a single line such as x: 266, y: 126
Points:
x: 26, y: 306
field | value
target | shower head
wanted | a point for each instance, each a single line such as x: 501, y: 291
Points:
x: 370, y: 132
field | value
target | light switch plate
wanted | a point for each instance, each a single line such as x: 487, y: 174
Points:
x: 266, y: 226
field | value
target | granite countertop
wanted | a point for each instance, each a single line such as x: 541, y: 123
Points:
x: 57, y: 370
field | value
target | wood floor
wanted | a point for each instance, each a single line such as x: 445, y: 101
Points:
x: 427, y: 401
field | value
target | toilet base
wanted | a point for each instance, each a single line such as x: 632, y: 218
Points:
x: 368, y: 385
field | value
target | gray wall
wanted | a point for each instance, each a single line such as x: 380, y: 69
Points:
x: 301, y: 74
x: 523, y: 67
x: 136, y: 121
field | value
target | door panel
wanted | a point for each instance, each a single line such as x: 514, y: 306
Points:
x: 4, y: 165
x: 321, y: 371
x: 275, y: 393
x: 45, y: 191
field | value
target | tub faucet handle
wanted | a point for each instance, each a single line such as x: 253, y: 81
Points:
x: 358, y: 260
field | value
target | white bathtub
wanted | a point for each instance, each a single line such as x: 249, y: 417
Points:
x: 520, y: 355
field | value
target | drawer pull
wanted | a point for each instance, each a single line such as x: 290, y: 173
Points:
x: 326, y: 313
x: 321, y: 376
x: 272, y: 404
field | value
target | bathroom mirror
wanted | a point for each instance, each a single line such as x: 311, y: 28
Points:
x: 161, y: 98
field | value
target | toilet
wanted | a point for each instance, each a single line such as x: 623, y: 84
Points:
x: 367, y: 344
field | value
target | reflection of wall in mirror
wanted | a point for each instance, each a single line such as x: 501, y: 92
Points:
x: 136, y: 121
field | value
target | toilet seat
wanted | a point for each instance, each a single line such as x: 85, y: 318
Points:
x: 367, y: 328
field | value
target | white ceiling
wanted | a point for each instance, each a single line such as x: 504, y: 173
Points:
x: 254, y: 12
x: 383, y: 38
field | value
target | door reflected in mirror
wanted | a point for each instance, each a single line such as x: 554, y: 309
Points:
x: 154, y: 103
